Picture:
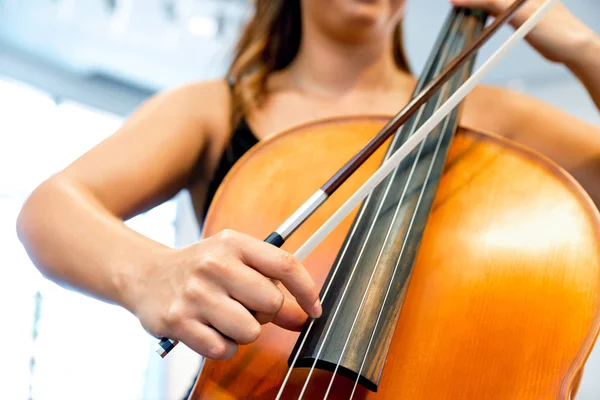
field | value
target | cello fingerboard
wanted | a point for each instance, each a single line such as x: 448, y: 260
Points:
x: 364, y: 301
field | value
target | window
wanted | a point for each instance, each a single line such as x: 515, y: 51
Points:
x: 56, y: 343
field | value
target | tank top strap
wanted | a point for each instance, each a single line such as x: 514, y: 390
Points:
x: 242, y: 139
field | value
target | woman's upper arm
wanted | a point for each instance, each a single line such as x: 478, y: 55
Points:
x: 149, y: 159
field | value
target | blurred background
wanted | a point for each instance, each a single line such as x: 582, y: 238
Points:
x: 71, y: 71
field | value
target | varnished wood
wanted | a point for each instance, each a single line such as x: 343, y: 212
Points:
x: 504, y: 300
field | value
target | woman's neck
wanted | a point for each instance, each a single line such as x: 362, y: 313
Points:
x: 327, y: 68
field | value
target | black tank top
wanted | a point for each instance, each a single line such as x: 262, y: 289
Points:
x: 242, y: 140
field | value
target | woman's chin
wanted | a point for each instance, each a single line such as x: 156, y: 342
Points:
x: 356, y: 19
x: 367, y: 12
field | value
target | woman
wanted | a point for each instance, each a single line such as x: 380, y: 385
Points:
x: 296, y: 61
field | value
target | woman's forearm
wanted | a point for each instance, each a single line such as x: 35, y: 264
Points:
x: 76, y: 243
x: 587, y: 67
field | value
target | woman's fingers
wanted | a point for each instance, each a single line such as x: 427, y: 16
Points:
x: 259, y: 294
x: 265, y: 299
x: 278, y: 264
x: 252, y: 289
x: 206, y: 341
x: 216, y: 294
x: 559, y: 36
x: 233, y: 320
x: 290, y: 316
x: 231, y: 292
x: 491, y: 6
x: 264, y: 318
x: 496, y: 7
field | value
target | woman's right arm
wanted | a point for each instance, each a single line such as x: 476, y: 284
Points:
x: 72, y: 228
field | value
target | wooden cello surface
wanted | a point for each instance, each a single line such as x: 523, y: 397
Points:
x: 504, y: 297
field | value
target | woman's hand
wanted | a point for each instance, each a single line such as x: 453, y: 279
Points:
x: 201, y: 295
x: 559, y: 36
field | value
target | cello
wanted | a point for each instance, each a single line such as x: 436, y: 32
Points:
x: 470, y: 271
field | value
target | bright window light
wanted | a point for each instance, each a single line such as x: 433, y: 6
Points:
x: 203, y: 26
x: 61, y: 344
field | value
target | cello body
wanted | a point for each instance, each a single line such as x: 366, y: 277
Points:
x: 503, y: 300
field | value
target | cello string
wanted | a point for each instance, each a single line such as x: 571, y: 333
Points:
x: 335, y: 270
x: 364, y: 244
x: 451, y: 45
x: 411, y: 223
x: 420, y: 85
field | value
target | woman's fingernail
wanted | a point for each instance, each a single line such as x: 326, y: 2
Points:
x: 317, y: 310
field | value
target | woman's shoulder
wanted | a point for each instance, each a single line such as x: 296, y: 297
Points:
x: 501, y: 110
x: 208, y: 101
x: 492, y: 108
x: 501, y: 96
